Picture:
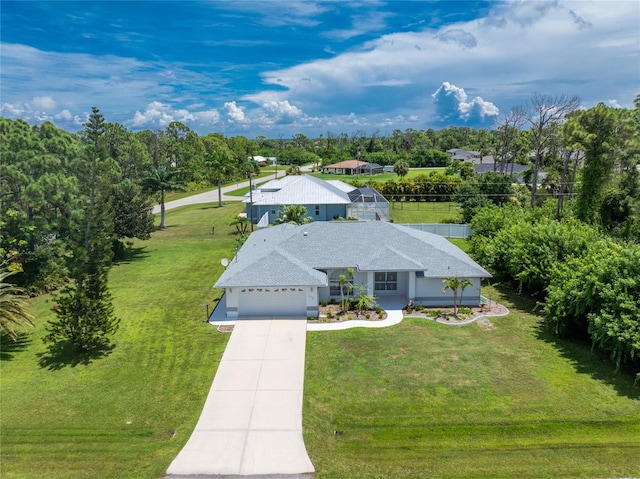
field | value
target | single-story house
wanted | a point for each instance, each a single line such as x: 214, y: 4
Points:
x: 352, y: 167
x: 324, y: 200
x: 264, y: 160
x: 457, y: 154
x: 287, y: 270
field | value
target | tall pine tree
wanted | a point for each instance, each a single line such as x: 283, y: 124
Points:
x: 84, y: 314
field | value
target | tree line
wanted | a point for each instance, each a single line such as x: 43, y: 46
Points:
x: 69, y: 203
x: 587, y: 281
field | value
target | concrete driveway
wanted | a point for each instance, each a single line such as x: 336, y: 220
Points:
x: 251, y: 424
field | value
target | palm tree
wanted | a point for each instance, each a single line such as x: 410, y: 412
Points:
x: 294, y: 170
x: 296, y: 214
x: 345, y: 280
x: 161, y: 178
x: 220, y: 166
x: 12, y: 311
x: 455, y: 284
x: 401, y: 168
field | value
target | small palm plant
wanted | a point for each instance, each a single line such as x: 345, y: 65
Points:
x: 295, y: 214
x: 13, y: 314
x: 345, y: 280
x: 455, y: 284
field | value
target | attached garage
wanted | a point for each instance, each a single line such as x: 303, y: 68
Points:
x: 264, y: 302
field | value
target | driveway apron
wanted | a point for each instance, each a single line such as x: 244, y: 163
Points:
x: 251, y: 424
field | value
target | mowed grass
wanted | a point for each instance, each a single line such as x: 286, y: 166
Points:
x: 425, y: 400
x: 128, y: 412
x: 412, y: 401
x: 424, y: 212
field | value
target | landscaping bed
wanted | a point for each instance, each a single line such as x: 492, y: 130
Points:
x: 332, y: 313
x: 464, y: 314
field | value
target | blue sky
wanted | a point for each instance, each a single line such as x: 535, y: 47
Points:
x: 280, y: 67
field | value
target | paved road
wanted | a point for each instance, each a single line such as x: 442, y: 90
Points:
x: 212, y: 196
x: 251, y: 424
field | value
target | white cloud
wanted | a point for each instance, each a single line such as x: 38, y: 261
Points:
x: 280, y: 112
x: 234, y: 112
x: 45, y: 103
x: 12, y: 111
x: 210, y: 117
x: 583, y: 48
x: 451, y: 103
x: 158, y: 114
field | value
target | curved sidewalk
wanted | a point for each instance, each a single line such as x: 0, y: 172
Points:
x: 251, y: 423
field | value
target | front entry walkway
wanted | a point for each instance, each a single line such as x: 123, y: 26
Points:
x: 251, y: 424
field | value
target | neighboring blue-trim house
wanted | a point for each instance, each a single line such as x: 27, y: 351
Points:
x: 324, y: 200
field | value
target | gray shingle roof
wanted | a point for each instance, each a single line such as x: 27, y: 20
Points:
x: 288, y: 255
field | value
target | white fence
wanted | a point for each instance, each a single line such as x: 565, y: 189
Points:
x: 448, y: 230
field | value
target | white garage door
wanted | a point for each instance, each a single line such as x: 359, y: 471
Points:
x: 270, y: 302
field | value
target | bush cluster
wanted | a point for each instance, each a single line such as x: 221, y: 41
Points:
x: 590, y: 283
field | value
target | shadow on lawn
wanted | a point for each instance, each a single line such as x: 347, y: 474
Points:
x: 593, y: 363
x: 130, y: 254
x: 64, y: 354
x: 9, y: 347
x: 577, y: 351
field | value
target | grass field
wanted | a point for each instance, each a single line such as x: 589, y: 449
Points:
x: 412, y: 401
x: 424, y: 212
x: 429, y: 400
x: 128, y: 413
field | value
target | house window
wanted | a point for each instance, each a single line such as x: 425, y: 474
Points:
x: 386, y: 281
x: 334, y: 283
x: 317, y: 210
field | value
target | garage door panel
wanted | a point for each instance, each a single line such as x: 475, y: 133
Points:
x: 272, y: 302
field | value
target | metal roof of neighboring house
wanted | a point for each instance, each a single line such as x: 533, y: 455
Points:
x: 299, y: 190
x: 341, y: 185
x: 288, y: 255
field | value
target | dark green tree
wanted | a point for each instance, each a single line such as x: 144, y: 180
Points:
x: 593, y: 131
x: 84, y: 313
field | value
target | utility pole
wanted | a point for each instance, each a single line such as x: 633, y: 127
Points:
x: 251, y: 201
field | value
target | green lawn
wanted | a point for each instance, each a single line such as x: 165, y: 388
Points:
x: 428, y: 400
x: 412, y: 401
x: 424, y: 212
x: 128, y: 413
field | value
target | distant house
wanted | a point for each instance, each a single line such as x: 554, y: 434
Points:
x: 515, y: 168
x: 352, y: 167
x: 324, y: 200
x: 287, y: 270
x: 456, y: 154
x: 265, y: 160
